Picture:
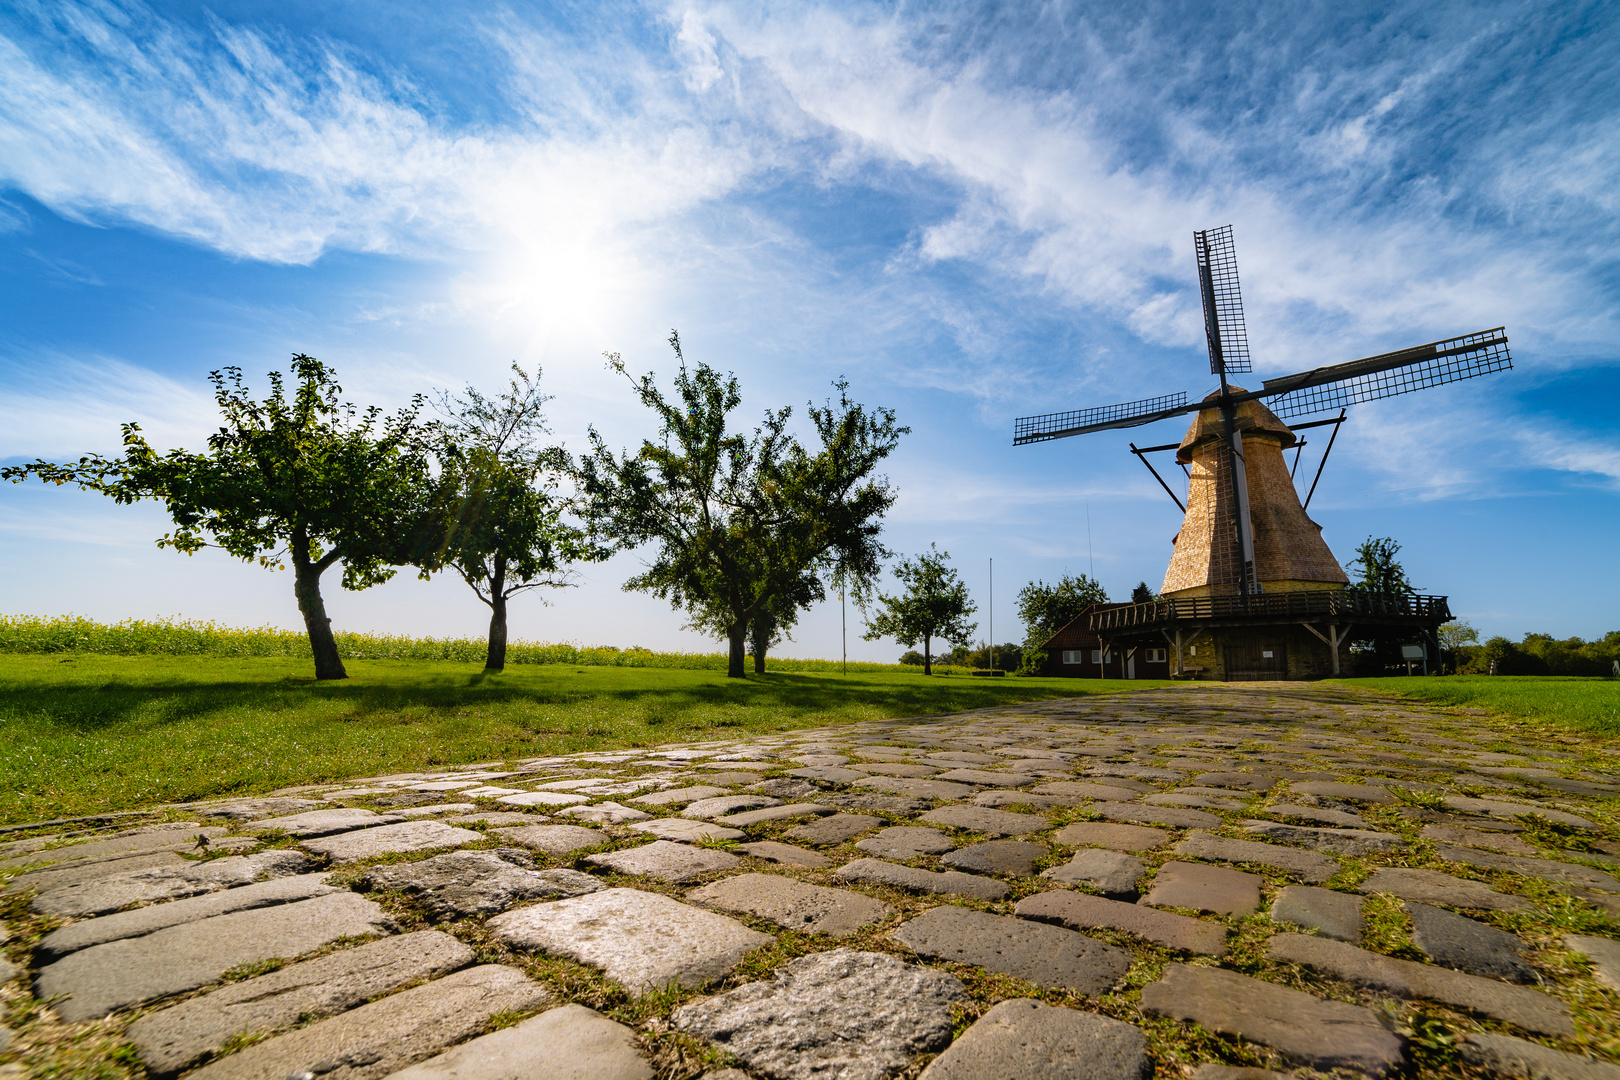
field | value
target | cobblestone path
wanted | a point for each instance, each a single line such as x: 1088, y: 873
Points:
x: 1207, y: 881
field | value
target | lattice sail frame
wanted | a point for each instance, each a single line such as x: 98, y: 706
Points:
x: 1028, y: 429
x: 1436, y: 364
x: 1223, y: 301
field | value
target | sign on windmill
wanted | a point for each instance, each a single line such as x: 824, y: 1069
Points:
x: 1250, y: 571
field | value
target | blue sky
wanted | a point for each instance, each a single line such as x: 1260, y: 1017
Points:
x: 973, y: 211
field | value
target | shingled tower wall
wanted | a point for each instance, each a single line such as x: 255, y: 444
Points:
x: 1289, y: 552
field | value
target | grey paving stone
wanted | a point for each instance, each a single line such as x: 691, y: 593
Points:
x: 181, y: 836
x: 906, y: 842
x: 182, y: 1035
x: 381, y: 1038
x: 1024, y: 1039
x: 833, y: 830
x: 878, y: 804
x: 504, y: 818
x: 997, y: 857
x: 1079, y: 792
x: 148, y: 920
x: 569, y: 1043
x: 552, y: 839
x: 680, y: 796
x: 1456, y: 941
x: 985, y: 820
x: 1604, y: 953
x: 461, y: 883
x: 665, y: 860
x: 1518, y: 1005
x: 88, y: 870
x: 543, y: 798
x: 1205, y: 888
x: 1340, y: 841
x: 1174, y: 816
x: 1002, y: 797
x: 1332, y: 914
x: 1495, y: 808
x: 1192, y: 802
x: 1239, y: 781
x: 253, y: 809
x: 1543, y: 868
x: 791, y: 903
x: 390, y: 840
x: 878, y: 872
x: 1349, y: 792
x: 1332, y: 818
x: 895, y: 768
x: 838, y: 1015
x: 720, y: 805
x: 786, y: 854
x: 642, y: 941
x: 1303, y: 1028
x: 116, y: 975
x: 786, y: 812
x: 1505, y: 1056
x: 1109, y: 872
x: 1036, y: 952
x: 175, y: 882
x: 831, y: 774
x: 1308, y: 866
x: 787, y: 790
x: 984, y: 777
x: 688, y: 831
x: 1453, y: 834
x: 1138, y: 772
x: 1080, y: 911
x: 1433, y: 887
x: 313, y: 823
x: 603, y: 813
x: 917, y: 789
x: 1109, y: 835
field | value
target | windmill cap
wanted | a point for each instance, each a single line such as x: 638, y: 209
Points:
x: 1253, y: 418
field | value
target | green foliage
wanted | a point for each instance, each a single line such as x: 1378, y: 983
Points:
x: 306, y: 478
x: 1375, y: 570
x: 1543, y: 654
x: 1046, y: 609
x: 935, y: 604
x: 740, y: 521
x: 912, y: 659
x: 1005, y: 657
x: 497, y: 518
x: 1142, y: 594
x: 1034, y: 660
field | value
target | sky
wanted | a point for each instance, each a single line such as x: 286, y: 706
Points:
x: 972, y: 211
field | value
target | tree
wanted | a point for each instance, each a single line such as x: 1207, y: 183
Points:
x: 1376, y: 570
x: 305, y: 478
x: 935, y: 604
x: 1454, y: 638
x: 740, y: 521
x: 498, y: 520
x: 1046, y: 609
x: 1142, y: 594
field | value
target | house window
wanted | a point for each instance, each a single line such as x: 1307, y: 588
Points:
x: 1155, y: 656
x: 1266, y: 654
x: 1073, y: 656
x: 1096, y: 656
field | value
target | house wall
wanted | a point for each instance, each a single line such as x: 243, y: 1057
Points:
x: 1114, y: 668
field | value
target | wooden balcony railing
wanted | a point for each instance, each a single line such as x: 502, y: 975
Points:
x: 1342, y: 605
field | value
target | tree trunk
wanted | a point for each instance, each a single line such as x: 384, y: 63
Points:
x: 307, y: 588
x: 495, y: 659
x: 737, y: 633
x: 928, y: 655
x: 760, y: 630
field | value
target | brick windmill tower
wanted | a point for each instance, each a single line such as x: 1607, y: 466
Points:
x: 1252, y: 591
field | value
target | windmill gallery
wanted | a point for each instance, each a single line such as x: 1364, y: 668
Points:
x: 1252, y: 591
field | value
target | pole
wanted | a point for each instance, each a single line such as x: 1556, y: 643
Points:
x: 990, y: 618
x: 843, y: 628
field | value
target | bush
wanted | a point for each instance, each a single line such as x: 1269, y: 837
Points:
x: 1034, y: 661
x: 913, y: 659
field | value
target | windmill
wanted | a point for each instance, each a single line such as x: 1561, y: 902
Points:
x: 1233, y: 423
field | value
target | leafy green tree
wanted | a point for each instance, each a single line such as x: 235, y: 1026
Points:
x: 498, y: 518
x: 1142, y: 594
x: 1046, y: 609
x: 1376, y: 570
x: 306, y: 478
x: 1455, y: 637
x: 934, y: 605
x: 739, y: 521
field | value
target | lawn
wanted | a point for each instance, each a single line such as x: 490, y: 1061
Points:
x: 89, y: 733
x: 1591, y: 705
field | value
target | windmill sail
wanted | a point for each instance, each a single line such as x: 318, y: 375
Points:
x: 1390, y: 374
x: 1061, y: 425
x: 1223, y: 302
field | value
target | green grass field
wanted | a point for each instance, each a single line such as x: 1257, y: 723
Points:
x: 1591, y: 705
x: 88, y: 733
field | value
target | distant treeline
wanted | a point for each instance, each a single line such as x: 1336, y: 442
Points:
x: 178, y: 637
x: 1542, y: 654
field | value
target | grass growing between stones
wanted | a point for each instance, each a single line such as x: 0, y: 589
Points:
x: 90, y: 733
x: 1582, y: 704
